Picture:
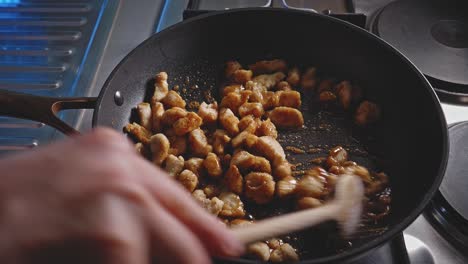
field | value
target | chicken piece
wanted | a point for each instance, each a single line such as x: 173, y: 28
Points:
x: 212, y: 165
x: 144, y: 114
x: 157, y: 111
x: 233, y: 206
x: 139, y: 132
x: 250, y: 140
x: 239, y: 222
x: 344, y: 92
x: 318, y: 173
x: 259, y: 187
x: 337, y: 156
x: 233, y: 180
x: 188, y: 179
x: 269, y: 66
x: 208, y: 112
x: 286, y: 117
x: 159, y: 148
x: 161, y: 87
x: 174, y: 165
x: 255, y: 109
x: 327, y: 97
x: 270, y: 100
x: 229, y: 121
x: 282, y: 170
x: 249, y: 124
x: 241, y: 76
x: 233, y: 88
x: 248, y: 162
x: 170, y: 116
x: 309, y: 186
x: 286, y: 253
x: 231, y: 67
x: 259, y: 250
x: 195, y: 165
x: 267, y: 128
x: 232, y: 101
x: 286, y: 187
x: 271, y: 149
x: 240, y: 139
x: 187, y: 124
x: 325, y: 85
x: 294, y: 76
x: 178, y: 145
x: 308, y: 203
x: 257, y: 91
x: 213, y: 205
x: 198, y: 143
x: 211, y: 190
x: 289, y: 99
x: 226, y: 160
x: 274, y: 243
x: 173, y: 99
x: 221, y: 139
x: 367, y: 113
x: 283, y: 86
x: 269, y: 80
x: 309, y: 79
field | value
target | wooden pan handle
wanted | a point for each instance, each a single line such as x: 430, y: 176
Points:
x: 42, y: 109
x: 287, y: 223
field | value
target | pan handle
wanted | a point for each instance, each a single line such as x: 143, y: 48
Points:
x: 42, y: 109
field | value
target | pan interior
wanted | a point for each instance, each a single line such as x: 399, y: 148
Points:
x: 409, y: 144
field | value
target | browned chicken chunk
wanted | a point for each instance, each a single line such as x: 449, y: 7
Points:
x: 286, y: 253
x: 144, y: 114
x: 283, y: 86
x: 157, y: 111
x: 267, y: 128
x: 212, y: 165
x: 344, y: 92
x: 170, y: 116
x: 286, y: 117
x: 248, y: 162
x: 178, y: 145
x: 198, y: 143
x: 255, y: 109
x: 187, y: 124
x: 188, y: 179
x: 234, y: 180
x: 173, y: 99
x: 208, y: 112
x: 286, y: 187
x: 308, y: 203
x: 289, y: 99
x: 259, y: 187
x: 174, y: 165
x: 259, y: 250
x: 139, y: 132
x: 233, y: 206
x: 309, y: 186
x: 337, y: 156
x: 159, y: 148
x: 221, y: 139
x: 231, y: 67
x: 195, y: 165
x: 229, y: 121
x: 242, y: 76
x: 161, y: 88
x: 269, y: 80
x: 233, y: 88
x: 269, y: 66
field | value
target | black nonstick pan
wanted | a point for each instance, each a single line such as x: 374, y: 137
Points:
x: 409, y: 144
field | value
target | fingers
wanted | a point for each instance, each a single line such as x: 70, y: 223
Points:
x: 172, y: 241
x: 214, y: 235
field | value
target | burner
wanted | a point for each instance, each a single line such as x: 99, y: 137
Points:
x: 448, y: 210
x: 434, y: 36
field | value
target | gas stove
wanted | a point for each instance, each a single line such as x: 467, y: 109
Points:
x: 87, y: 43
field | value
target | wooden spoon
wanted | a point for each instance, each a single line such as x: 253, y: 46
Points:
x: 345, y: 208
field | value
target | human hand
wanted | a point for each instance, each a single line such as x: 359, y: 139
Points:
x: 92, y: 199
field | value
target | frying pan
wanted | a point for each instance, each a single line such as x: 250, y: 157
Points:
x: 410, y: 143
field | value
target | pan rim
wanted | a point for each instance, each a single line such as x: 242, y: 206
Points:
x: 356, y: 252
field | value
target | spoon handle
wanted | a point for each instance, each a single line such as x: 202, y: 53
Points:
x: 287, y: 223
